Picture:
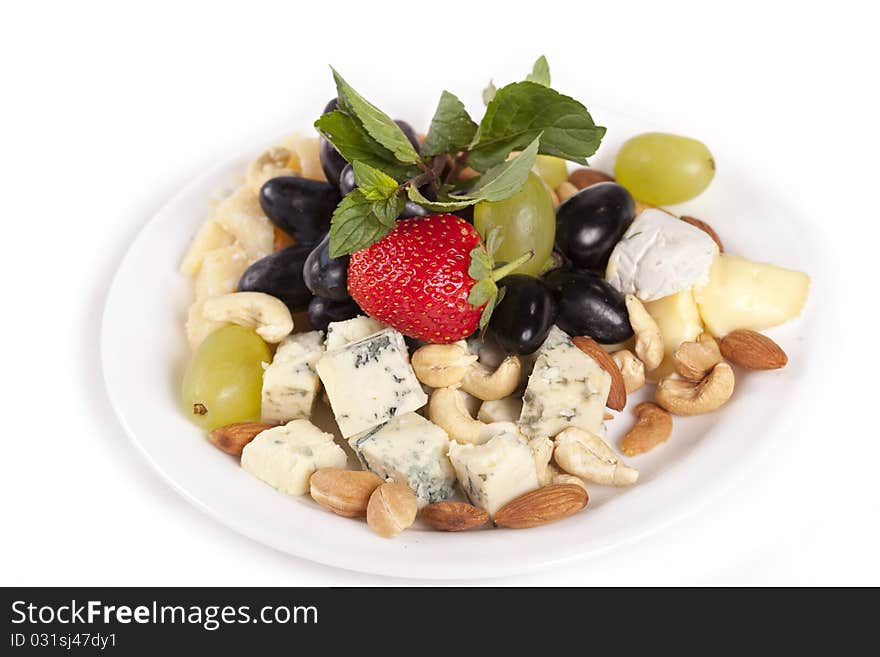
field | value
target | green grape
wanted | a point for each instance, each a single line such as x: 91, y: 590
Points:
x: 661, y: 169
x: 223, y: 382
x: 527, y: 221
x: 553, y: 170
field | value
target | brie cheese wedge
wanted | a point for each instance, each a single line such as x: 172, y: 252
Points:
x: 660, y: 255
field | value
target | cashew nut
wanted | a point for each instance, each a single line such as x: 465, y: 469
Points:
x: 694, y: 360
x: 446, y: 409
x: 268, y: 316
x: 442, y: 365
x: 569, y: 479
x: 542, y: 450
x: 692, y: 398
x: 649, y: 342
x: 653, y: 426
x: 483, y: 383
x: 631, y: 369
x: 585, y: 455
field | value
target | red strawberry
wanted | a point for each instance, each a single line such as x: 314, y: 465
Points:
x: 430, y: 278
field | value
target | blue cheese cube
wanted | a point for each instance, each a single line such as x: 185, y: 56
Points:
x: 370, y: 381
x: 567, y: 388
x: 409, y: 450
x: 494, y: 473
x: 290, y: 382
x: 285, y: 457
x: 351, y: 330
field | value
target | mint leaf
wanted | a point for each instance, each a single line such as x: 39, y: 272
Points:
x: 506, y: 179
x: 355, y: 144
x: 378, y: 124
x: 520, y: 112
x: 354, y: 225
x: 451, y: 128
x: 449, y: 204
x: 540, y: 72
x: 375, y: 185
x: 387, y: 210
x: 489, y: 92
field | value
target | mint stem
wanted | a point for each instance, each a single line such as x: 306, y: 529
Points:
x: 501, y: 272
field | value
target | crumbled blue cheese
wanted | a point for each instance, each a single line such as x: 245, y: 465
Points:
x: 410, y: 450
x: 494, y: 473
x: 290, y: 382
x: 351, y: 330
x: 567, y: 388
x: 285, y: 457
x: 370, y: 381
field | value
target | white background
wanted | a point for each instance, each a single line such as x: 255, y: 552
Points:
x: 108, y: 109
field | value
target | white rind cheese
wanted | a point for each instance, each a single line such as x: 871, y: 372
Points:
x: 370, y: 381
x: 660, y: 255
x: 493, y: 474
x: 340, y: 334
x: 567, y: 388
x: 285, y: 457
x: 290, y: 382
x: 409, y: 450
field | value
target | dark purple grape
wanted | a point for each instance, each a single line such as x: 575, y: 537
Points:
x: 524, y: 316
x: 300, y: 207
x: 323, y: 311
x: 280, y: 275
x: 325, y: 276
x: 587, y: 305
x: 590, y: 223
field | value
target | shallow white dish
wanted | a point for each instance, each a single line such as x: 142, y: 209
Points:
x: 144, y: 352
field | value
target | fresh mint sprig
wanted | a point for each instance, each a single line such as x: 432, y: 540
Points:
x: 528, y: 117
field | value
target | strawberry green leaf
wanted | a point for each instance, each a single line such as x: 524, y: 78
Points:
x: 379, y: 125
x: 540, y: 72
x: 451, y: 128
x: 356, y: 145
x: 486, y: 315
x: 376, y: 185
x: 481, y: 292
x: 493, y: 241
x: 481, y: 264
x: 354, y: 225
x: 520, y: 112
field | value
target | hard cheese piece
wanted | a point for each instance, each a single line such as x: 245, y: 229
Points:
x: 370, y: 381
x: 351, y: 330
x: 567, y: 388
x: 291, y: 383
x: 660, y: 255
x: 742, y: 294
x: 678, y: 319
x: 409, y: 450
x: 495, y: 472
x: 285, y: 457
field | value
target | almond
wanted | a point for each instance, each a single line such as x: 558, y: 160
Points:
x: 454, y: 516
x: 752, y: 350
x: 282, y: 240
x: 392, y: 508
x: 542, y: 506
x: 344, y: 492
x: 233, y: 437
x: 706, y: 228
x: 617, y: 394
x: 582, y: 178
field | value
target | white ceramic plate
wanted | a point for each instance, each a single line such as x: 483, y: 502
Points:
x: 144, y: 352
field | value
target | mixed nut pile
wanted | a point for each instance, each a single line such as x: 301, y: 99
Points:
x: 469, y: 309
